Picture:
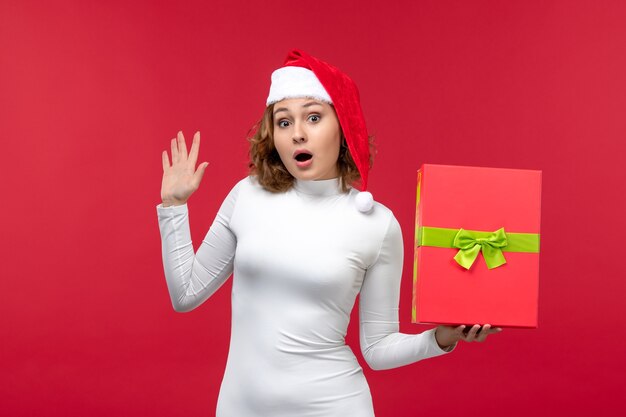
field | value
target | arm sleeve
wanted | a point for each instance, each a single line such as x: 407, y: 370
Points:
x: 383, y: 347
x: 193, y: 278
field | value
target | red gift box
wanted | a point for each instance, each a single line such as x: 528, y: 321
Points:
x: 477, y: 246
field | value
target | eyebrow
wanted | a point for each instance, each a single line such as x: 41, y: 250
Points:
x: 305, y: 105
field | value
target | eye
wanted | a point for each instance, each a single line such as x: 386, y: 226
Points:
x: 282, y: 123
x: 314, y: 118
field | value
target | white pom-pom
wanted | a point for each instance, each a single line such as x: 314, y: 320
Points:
x: 364, y: 201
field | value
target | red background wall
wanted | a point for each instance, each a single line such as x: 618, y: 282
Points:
x: 92, y: 92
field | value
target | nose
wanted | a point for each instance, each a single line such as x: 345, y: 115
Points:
x: 298, y: 133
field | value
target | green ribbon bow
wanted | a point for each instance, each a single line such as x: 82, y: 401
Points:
x: 469, y: 244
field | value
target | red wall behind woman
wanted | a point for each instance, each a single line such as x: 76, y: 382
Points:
x: 91, y: 93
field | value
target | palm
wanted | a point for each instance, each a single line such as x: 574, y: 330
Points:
x: 181, y: 179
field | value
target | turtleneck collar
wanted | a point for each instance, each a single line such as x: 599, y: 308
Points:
x: 321, y: 188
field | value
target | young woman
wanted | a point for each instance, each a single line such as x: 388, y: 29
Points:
x: 302, y: 243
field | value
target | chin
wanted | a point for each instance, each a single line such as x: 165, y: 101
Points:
x: 309, y: 176
x: 304, y: 176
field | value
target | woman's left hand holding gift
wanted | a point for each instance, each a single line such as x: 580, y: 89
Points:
x: 447, y: 336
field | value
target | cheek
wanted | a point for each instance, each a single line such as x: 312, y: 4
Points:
x: 334, y: 146
x: 335, y: 143
x: 281, y: 147
x: 334, y: 152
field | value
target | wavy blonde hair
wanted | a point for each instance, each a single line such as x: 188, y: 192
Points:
x: 266, y: 165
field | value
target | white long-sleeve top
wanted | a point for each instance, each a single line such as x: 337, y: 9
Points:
x: 299, y: 260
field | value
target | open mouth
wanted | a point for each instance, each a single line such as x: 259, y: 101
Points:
x: 303, y: 157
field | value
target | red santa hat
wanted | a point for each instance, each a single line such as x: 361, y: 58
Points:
x: 305, y: 76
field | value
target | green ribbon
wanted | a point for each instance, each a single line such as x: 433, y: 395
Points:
x: 470, y: 242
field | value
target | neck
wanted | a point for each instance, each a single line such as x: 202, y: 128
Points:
x: 319, y: 187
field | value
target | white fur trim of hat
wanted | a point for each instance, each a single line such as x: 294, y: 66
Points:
x: 296, y: 82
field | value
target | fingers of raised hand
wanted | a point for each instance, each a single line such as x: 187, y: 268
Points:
x: 195, y: 147
x: 165, y: 160
x: 182, y: 146
x: 174, y: 145
x: 179, y: 150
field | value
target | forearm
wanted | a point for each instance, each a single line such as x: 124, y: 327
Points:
x: 399, y: 349
x: 191, y: 278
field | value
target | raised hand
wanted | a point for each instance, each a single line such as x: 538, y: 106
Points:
x: 181, y: 179
x: 447, y: 335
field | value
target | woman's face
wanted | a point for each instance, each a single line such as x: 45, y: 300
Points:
x: 307, y: 136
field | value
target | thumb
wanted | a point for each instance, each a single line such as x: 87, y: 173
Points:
x: 200, y: 172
